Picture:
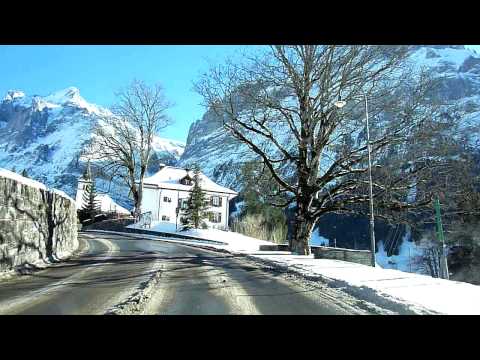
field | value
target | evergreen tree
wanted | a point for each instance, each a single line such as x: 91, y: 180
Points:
x: 24, y: 173
x: 90, y: 206
x: 14, y: 169
x: 197, y: 205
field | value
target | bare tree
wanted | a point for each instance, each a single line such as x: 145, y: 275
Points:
x: 281, y: 104
x: 122, y: 145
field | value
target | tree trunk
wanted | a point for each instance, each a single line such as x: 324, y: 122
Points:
x: 302, y: 231
x: 138, y: 206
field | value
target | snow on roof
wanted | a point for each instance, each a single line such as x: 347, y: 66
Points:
x: 169, y: 178
x: 107, y: 204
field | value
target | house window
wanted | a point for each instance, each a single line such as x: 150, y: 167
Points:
x: 183, y: 203
x: 215, y: 217
x: 186, y: 181
x: 216, y: 201
x: 165, y: 218
x: 167, y: 199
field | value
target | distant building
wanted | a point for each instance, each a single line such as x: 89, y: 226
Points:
x: 170, y: 188
x: 107, y: 205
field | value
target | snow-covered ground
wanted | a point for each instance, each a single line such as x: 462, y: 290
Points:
x: 232, y: 241
x: 318, y: 240
x: 404, y: 261
x: 406, y: 292
x: 413, y: 292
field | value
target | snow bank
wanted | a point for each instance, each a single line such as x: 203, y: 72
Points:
x: 233, y: 241
x: 414, y: 291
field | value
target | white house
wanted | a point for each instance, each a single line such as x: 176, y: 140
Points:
x: 170, y: 188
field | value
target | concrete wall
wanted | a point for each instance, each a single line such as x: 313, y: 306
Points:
x: 356, y: 256
x: 324, y: 252
x: 35, y: 224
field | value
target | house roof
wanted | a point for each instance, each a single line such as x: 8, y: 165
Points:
x: 169, y: 178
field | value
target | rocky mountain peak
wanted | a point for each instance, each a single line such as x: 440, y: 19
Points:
x: 13, y: 94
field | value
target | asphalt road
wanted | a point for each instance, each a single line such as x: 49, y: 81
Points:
x: 193, y: 281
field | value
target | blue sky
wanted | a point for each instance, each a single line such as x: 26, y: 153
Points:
x: 98, y: 71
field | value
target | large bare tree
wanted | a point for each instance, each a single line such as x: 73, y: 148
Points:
x: 123, y: 141
x: 281, y: 103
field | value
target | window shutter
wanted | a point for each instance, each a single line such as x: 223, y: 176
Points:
x: 219, y: 201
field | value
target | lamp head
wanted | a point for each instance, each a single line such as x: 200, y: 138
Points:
x: 340, y: 103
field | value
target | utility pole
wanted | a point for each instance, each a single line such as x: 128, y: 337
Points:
x: 441, y: 238
x: 177, y: 210
x: 372, y: 219
x: 339, y: 104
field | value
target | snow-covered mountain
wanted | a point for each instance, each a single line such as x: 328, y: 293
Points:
x: 220, y: 156
x: 45, y: 135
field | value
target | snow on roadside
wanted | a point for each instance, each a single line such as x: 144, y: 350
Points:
x: 415, y: 292
x: 232, y: 240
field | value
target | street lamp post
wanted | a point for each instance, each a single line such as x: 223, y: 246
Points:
x: 177, y: 210
x: 372, y: 218
x: 339, y: 104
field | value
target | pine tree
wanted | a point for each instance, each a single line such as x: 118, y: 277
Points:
x: 24, y: 173
x: 197, y: 204
x: 90, y: 206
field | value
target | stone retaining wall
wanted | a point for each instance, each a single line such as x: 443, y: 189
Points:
x: 356, y: 256
x: 35, y: 224
x: 324, y: 252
